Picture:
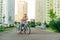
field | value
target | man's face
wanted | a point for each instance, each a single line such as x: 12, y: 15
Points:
x: 25, y: 15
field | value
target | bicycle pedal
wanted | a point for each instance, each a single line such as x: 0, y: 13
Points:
x: 22, y: 30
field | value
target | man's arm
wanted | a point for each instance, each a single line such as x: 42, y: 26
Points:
x: 26, y: 18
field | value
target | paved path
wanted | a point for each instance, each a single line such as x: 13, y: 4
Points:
x: 35, y: 35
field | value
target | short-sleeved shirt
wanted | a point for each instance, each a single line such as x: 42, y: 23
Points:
x: 23, y: 20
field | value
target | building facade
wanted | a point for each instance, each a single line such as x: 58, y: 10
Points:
x: 40, y: 14
x: 43, y: 9
x: 4, y: 11
x: 10, y: 10
x: 37, y: 14
x: 7, y: 8
x: 49, y: 5
x: 57, y: 7
x: 1, y: 7
x: 21, y: 9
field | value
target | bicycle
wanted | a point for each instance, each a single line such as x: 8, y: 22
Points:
x: 26, y: 29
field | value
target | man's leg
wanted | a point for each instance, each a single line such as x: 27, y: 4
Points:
x: 20, y: 27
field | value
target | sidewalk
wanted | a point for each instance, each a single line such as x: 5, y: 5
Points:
x: 35, y: 35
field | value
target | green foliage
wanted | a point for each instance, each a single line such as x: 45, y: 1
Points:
x: 52, y: 14
x: 16, y: 23
x: 52, y: 24
x: 11, y: 25
x: 47, y: 25
x: 38, y: 23
x: 31, y: 23
x: 2, y: 28
x: 3, y: 17
x: 55, y: 25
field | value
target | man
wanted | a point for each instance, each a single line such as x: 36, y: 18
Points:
x: 23, y: 22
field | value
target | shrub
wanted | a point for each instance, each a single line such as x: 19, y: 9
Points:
x: 47, y: 25
x: 2, y: 28
x: 17, y: 22
x: 31, y: 23
x: 38, y: 23
x: 55, y: 25
x: 52, y: 24
x: 11, y: 25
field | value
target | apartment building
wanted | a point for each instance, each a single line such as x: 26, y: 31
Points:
x: 37, y: 14
x: 40, y: 14
x: 8, y: 11
x: 55, y: 4
x: 1, y: 7
x: 21, y: 9
x: 3, y: 10
x: 57, y: 7
x: 45, y: 6
x: 7, y: 8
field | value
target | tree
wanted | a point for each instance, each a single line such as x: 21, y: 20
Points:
x: 52, y: 14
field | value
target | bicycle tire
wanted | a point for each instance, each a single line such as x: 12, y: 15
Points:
x: 27, y: 30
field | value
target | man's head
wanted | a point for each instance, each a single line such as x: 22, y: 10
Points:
x: 25, y: 15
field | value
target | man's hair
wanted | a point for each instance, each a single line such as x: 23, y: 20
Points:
x: 25, y: 14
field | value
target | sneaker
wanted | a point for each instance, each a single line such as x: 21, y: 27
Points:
x: 21, y: 33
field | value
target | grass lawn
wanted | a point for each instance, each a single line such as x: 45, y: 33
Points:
x: 6, y: 29
x: 52, y: 30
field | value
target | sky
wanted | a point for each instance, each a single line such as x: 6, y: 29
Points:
x: 31, y: 9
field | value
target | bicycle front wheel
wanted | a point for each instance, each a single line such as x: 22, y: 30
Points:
x: 27, y: 30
